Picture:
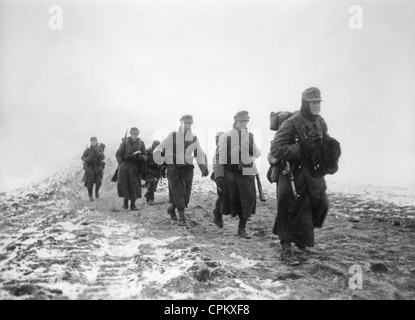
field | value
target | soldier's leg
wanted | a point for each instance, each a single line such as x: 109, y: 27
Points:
x: 125, y: 203
x: 151, y: 189
x: 176, y: 189
x: 182, y: 218
x: 217, y: 214
x: 90, y: 184
x: 171, y: 210
x: 146, y: 195
x: 187, y: 178
x: 135, y: 186
x: 98, y: 182
x: 287, y: 255
x: 242, y: 228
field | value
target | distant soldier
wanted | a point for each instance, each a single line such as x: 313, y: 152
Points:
x: 235, y: 173
x: 94, y: 167
x: 153, y: 175
x: 178, y: 148
x: 217, y: 214
x: 130, y: 157
x: 301, y: 188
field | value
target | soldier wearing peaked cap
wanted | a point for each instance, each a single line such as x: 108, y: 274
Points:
x: 303, y: 207
x: 131, y: 156
x: 235, y: 173
x: 94, y: 167
x: 177, y: 150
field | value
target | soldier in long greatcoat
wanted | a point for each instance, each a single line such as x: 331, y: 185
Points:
x: 297, y: 215
x: 131, y: 156
x: 235, y: 173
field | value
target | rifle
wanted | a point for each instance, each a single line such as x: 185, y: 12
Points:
x: 288, y: 171
x: 261, y: 192
x: 115, y: 175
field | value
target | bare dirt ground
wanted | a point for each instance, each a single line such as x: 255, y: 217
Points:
x: 55, y: 244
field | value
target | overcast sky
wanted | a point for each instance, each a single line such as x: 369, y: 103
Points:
x: 119, y: 64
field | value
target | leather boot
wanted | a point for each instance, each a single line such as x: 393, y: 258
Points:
x: 132, y: 206
x: 171, y: 210
x: 90, y: 194
x: 182, y: 218
x: 242, y: 229
x: 151, y: 198
x: 217, y: 218
x: 125, y: 204
x: 96, y: 193
x: 287, y: 255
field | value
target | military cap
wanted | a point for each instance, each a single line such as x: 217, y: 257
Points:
x: 93, y: 139
x: 134, y: 130
x: 155, y: 143
x: 312, y: 94
x: 187, y: 118
x: 241, y: 115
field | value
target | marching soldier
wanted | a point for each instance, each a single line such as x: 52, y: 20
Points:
x: 94, y: 167
x: 178, y: 148
x: 131, y: 156
x: 234, y: 172
x: 302, y: 201
x: 152, y: 174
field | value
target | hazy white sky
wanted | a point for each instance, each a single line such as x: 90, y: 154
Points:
x: 118, y: 64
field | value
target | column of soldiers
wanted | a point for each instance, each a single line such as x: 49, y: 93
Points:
x: 302, y: 203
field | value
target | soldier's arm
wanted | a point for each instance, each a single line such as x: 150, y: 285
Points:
x: 119, y: 155
x: 84, y: 155
x: 281, y: 146
x: 88, y: 157
x: 325, y: 128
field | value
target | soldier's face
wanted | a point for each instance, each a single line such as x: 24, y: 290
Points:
x: 94, y: 143
x: 242, y: 124
x: 315, y: 107
x: 186, y: 126
x: 134, y: 136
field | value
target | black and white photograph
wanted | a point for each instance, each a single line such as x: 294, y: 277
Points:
x: 217, y: 152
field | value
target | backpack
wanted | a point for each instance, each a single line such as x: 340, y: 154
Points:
x: 277, y: 118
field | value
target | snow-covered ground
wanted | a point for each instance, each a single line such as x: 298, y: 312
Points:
x: 55, y: 244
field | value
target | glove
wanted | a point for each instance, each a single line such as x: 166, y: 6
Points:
x: 205, y: 171
x: 220, y: 185
x: 307, y: 147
